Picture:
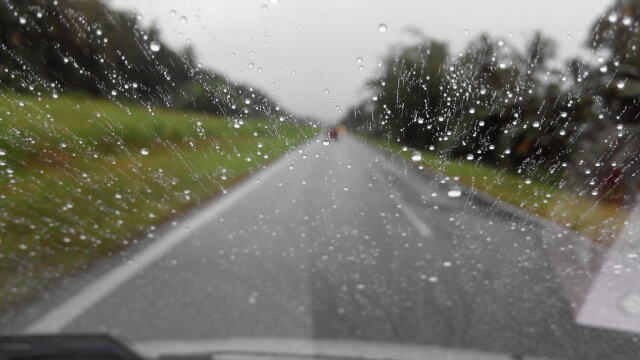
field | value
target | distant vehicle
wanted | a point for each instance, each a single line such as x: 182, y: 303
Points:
x: 335, y: 133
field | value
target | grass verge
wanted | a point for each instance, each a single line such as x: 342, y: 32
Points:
x: 81, y: 178
x: 598, y: 220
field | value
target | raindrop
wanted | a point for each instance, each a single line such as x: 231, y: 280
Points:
x: 536, y: 124
x: 144, y: 151
x: 603, y: 68
x: 154, y: 46
x: 446, y: 264
x: 23, y: 20
x: 433, y: 279
x: 118, y: 196
x: 469, y: 156
x: 613, y: 17
x: 359, y: 60
x: 183, y: 19
x: 417, y: 156
x: 454, y: 193
x: 626, y: 21
x: 563, y: 114
x: 360, y: 287
x: 114, y: 92
x: 250, y: 65
x: 502, y: 65
x: 382, y: 28
x: 265, y: 8
x: 620, y: 84
x: 472, y: 110
x: 172, y: 13
x: 3, y: 152
x: 562, y: 132
x: 481, y: 123
x: 326, y: 91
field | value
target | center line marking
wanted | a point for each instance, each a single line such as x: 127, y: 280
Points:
x: 424, y: 230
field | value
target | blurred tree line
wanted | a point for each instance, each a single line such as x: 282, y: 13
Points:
x: 512, y: 109
x: 48, y: 46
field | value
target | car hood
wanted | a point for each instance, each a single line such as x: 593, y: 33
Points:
x: 271, y: 348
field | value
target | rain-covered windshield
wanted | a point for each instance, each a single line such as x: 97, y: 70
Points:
x: 460, y: 177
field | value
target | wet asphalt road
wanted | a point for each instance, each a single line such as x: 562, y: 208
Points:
x: 345, y: 242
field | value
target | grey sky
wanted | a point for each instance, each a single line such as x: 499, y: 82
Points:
x: 299, y: 48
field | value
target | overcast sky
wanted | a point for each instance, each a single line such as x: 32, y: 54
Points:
x: 296, y: 50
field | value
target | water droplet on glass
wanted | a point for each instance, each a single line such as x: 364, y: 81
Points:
x: 382, y: 28
x: 3, y: 152
x: 325, y: 142
x: 613, y: 17
x: 454, y: 193
x: 603, y: 68
x: 144, y: 151
x: 469, y: 156
x: 23, y: 20
x: 416, y: 156
x: 118, y: 196
x: 472, y: 111
x: 626, y: 21
x: 114, y: 92
x: 359, y: 60
x: 502, y: 65
x: 173, y: 13
x: 620, y: 84
x: 183, y: 19
x: 446, y: 264
x: 154, y: 46
x: 536, y: 124
x: 433, y: 279
x: 562, y: 132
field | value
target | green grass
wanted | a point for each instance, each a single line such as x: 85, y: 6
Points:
x: 75, y: 185
x: 598, y: 220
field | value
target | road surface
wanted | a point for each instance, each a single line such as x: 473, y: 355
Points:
x: 342, y: 241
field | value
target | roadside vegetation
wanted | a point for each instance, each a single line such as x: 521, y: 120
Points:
x: 81, y: 178
x: 559, y: 140
x: 597, y: 220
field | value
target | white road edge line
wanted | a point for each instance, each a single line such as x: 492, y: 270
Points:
x: 424, y: 230
x: 76, y: 305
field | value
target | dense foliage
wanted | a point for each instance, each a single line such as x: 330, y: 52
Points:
x: 497, y: 105
x: 48, y: 46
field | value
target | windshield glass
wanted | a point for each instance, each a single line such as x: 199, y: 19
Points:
x: 452, y: 176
